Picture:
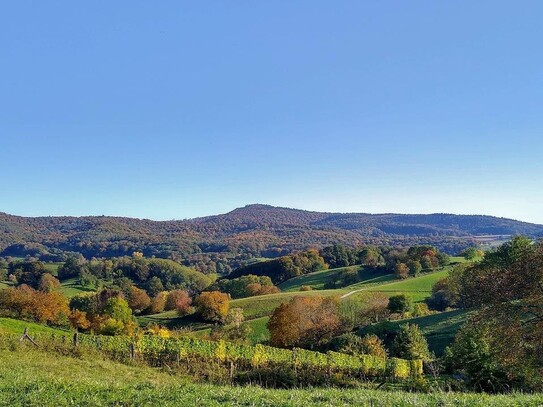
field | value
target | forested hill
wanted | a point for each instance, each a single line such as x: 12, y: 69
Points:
x: 254, y: 230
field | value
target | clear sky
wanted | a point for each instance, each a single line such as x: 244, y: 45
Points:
x: 176, y: 109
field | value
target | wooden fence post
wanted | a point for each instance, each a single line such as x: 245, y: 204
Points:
x: 295, y: 364
x: 132, y: 351
x: 76, y: 339
x: 26, y: 336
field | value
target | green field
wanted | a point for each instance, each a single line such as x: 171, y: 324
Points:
x: 71, y: 288
x: 439, y: 329
x: 257, y: 309
x: 9, y: 325
x: 319, y: 279
x: 316, y: 280
x: 34, y: 378
x: 418, y: 287
x: 52, y: 267
x: 262, y: 306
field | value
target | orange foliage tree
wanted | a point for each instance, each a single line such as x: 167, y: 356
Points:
x: 26, y: 303
x: 305, y: 322
x: 213, y: 306
x: 138, y: 300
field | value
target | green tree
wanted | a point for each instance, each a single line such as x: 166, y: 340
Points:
x: 117, y: 308
x: 414, y: 267
x: 154, y: 286
x: 410, y: 343
x: 400, y: 303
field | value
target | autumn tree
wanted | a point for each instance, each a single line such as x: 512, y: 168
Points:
x: 158, y: 303
x: 178, y: 300
x: 401, y: 270
x: 213, y: 306
x: 138, y: 300
x: 506, y: 289
x: 375, y: 307
x: 183, y: 304
x: 78, y: 320
x: 305, y: 322
x: 26, y: 303
x: 48, y: 283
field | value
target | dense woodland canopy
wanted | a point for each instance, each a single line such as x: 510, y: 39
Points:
x: 219, y: 244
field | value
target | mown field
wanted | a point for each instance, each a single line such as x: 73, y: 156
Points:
x: 319, y: 279
x: 34, y: 378
x: 438, y: 329
x: 9, y: 325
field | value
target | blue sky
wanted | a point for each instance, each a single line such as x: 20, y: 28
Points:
x: 178, y: 109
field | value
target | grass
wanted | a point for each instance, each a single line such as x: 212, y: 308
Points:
x: 33, y: 378
x: 319, y: 279
x: 422, y: 284
x: 52, y: 267
x: 262, y: 306
x: 439, y: 329
x: 14, y: 326
x: 71, y: 288
x: 316, y: 280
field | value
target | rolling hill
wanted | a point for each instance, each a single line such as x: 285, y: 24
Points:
x: 256, y: 230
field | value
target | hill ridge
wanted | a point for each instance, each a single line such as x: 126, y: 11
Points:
x: 252, y: 230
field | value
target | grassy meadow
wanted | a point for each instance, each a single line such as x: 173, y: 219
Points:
x: 29, y: 377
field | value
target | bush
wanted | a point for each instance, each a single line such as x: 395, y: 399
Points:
x: 410, y: 343
x: 352, y: 344
x: 401, y: 304
x: 420, y: 309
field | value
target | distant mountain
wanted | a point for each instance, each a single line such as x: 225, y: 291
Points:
x: 254, y: 230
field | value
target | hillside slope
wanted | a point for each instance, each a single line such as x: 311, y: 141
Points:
x: 254, y: 229
x: 33, y: 378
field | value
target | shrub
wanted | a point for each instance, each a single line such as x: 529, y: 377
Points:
x: 400, y: 304
x: 352, y: 344
x: 410, y: 343
x: 420, y: 309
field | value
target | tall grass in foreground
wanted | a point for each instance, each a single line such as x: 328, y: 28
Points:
x: 30, y: 377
